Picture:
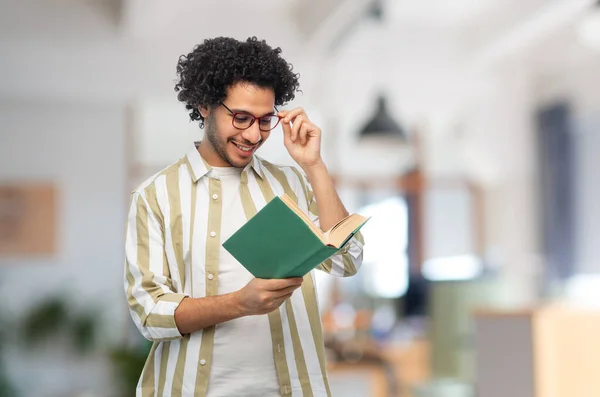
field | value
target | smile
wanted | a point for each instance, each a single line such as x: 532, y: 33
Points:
x: 244, y: 148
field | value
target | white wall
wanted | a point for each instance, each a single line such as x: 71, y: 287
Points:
x: 499, y: 131
x: 80, y: 147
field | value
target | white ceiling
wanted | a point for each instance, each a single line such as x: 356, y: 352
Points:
x: 133, y: 42
x: 453, y: 12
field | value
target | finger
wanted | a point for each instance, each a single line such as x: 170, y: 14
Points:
x: 296, y: 125
x: 277, y: 302
x: 292, y: 114
x: 287, y: 132
x: 278, y: 284
x: 289, y: 115
x: 285, y: 291
x: 305, y: 130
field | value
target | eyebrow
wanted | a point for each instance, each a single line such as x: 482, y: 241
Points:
x: 271, y: 113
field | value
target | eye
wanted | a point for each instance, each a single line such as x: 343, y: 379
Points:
x: 242, y: 118
x: 266, y: 120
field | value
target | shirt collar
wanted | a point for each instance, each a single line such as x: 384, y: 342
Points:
x: 199, y: 167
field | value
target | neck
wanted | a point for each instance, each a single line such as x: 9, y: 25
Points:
x: 210, y: 155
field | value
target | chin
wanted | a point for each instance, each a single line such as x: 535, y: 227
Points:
x: 240, y: 157
x: 237, y: 161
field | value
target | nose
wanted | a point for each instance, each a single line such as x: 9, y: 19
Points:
x: 252, y: 134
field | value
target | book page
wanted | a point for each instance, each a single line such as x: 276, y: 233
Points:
x: 340, y: 232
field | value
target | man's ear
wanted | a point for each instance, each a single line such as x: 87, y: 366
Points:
x: 204, y: 111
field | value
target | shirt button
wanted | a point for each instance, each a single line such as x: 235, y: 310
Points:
x: 215, y: 196
x: 203, y: 362
x: 213, y: 234
x: 210, y: 276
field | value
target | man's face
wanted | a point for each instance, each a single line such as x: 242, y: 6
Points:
x: 234, y: 146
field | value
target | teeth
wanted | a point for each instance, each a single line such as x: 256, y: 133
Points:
x: 244, y: 148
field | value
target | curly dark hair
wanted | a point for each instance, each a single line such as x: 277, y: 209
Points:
x: 218, y: 63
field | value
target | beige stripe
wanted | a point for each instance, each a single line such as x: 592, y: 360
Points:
x: 215, y: 209
x: 173, y: 167
x: 298, y: 351
x: 143, y: 250
x: 266, y: 189
x: 191, y: 244
x: 308, y: 194
x: 312, y: 206
x: 147, y: 381
x: 177, y: 387
x: 163, y: 368
x: 304, y: 187
x: 172, y: 297
x: 133, y: 303
x: 360, y: 237
x: 150, y: 192
x: 326, y: 266
x: 310, y: 301
x: 176, y: 224
x: 247, y: 202
x: 349, y: 267
x: 282, y: 179
x: 160, y: 321
x: 283, y: 372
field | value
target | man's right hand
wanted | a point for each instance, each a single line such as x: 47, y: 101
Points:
x: 262, y: 296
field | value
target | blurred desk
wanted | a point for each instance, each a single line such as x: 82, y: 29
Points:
x: 411, y: 364
x: 360, y: 380
x: 403, y: 367
x: 542, y: 352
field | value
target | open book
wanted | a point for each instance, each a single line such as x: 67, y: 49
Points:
x: 281, y: 241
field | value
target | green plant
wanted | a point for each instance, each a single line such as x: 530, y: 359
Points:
x: 54, y: 318
x: 128, y: 363
x: 6, y: 387
x: 44, y: 321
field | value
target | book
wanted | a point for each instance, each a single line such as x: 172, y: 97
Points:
x: 281, y: 241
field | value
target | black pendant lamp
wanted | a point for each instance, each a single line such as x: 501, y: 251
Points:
x: 382, y: 125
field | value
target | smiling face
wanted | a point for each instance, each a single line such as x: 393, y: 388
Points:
x: 225, y: 145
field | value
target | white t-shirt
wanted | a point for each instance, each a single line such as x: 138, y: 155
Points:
x: 242, y: 363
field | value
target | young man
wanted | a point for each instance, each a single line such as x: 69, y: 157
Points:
x: 217, y: 331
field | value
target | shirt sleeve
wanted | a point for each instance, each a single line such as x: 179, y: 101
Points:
x: 345, y: 262
x: 148, y: 286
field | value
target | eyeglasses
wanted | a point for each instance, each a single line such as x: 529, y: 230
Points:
x: 244, y: 120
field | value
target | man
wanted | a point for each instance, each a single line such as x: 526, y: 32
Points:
x: 217, y: 331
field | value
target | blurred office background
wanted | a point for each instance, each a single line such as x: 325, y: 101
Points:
x: 468, y: 129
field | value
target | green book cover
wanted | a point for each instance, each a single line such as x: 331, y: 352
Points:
x: 277, y: 243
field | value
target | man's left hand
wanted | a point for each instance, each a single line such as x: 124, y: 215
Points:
x: 301, y: 137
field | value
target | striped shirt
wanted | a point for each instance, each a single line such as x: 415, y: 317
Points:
x: 172, y: 251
